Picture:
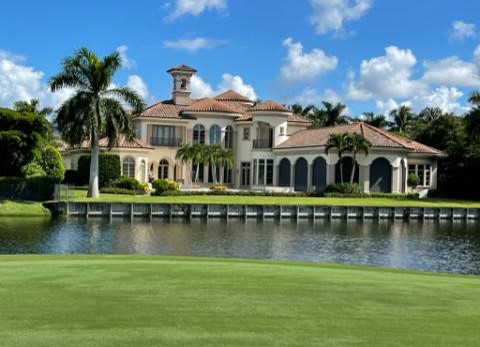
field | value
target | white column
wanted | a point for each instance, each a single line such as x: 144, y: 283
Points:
x: 364, y: 178
x: 309, y: 177
x: 330, y: 174
x: 144, y: 132
x: 292, y: 175
x: 395, y: 179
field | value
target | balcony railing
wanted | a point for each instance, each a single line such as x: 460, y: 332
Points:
x: 262, y: 143
x: 166, y: 141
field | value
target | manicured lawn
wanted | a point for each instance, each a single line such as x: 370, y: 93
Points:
x: 80, y: 195
x: 168, y: 301
x: 22, y: 208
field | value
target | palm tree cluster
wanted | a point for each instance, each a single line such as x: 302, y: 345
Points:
x: 215, y: 156
x: 328, y: 115
x: 353, y: 143
x: 97, y: 107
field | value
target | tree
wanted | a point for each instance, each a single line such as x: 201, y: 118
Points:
x: 296, y: 108
x: 340, y: 144
x: 213, y: 154
x: 378, y: 120
x: 22, y: 135
x: 402, y: 118
x: 356, y: 143
x: 430, y: 114
x: 97, y: 108
x: 32, y: 106
x: 472, y: 118
x: 333, y: 114
x: 226, y: 161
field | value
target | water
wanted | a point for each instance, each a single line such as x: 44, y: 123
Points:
x: 443, y: 246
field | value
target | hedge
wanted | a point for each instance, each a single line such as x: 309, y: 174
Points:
x: 122, y: 191
x: 108, y: 169
x: 38, y: 188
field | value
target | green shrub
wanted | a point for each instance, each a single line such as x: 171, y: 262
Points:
x: 39, y: 188
x: 343, y: 188
x: 33, y: 169
x: 129, y: 183
x: 70, y: 177
x: 108, y: 169
x: 219, y: 187
x: 413, y: 180
x: 51, y: 162
x: 163, y: 185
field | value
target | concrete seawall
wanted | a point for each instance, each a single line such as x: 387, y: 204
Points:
x: 154, y: 210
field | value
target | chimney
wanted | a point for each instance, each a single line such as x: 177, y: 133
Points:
x: 182, y: 74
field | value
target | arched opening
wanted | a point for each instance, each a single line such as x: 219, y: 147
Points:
x: 347, y: 166
x: 128, y: 167
x: 198, y: 133
x: 380, y: 176
x: 163, y: 169
x: 215, y: 134
x: 284, y: 169
x: 301, y: 175
x: 228, y: 137
x: 319, y: 174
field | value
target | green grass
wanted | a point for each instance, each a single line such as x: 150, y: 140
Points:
x: 80, y: 195
x: 168, y: 301
x: 22, y: 208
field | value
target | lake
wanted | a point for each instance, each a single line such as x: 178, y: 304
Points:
x: 442, y: 246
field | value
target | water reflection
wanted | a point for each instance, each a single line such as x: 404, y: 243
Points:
x: 430, y: 245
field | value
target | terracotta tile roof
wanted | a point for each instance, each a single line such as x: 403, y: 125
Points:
x: 268, y: 106
x: 210, y: 105
x: 376, y: 136
x: 182, y: 67
x: 231, y: 95
x: 295, y: 118
x: 122, y: 143
x: 165, y: 109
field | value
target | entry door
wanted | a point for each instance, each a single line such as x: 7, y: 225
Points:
x: 245, y: 174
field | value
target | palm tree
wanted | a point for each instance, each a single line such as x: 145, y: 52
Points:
x: 97, y: 107
x: 333, y: 114
x: 32, y: 106
x: 378, y: 120
x: 226, y: 161
x: 356, y: 143
x: 213, y: 154
x: 402, y: 118
x: 297, y: 108
x: 338, y: 142
x: 430, y: 114
x: 185, y: 154
x: 315, y: 115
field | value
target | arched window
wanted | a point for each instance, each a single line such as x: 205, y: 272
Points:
x: 163, y: 169
x: 215, y: 134
x: 183, y: 84
x: 198, y: 133
x: 128, y: 167
x: 228, y: 137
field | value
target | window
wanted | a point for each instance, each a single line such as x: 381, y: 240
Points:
x: 269, y: 173
x: 128, y: 167
x: 163, y: 169
x: 245, y: 174
x: 163, y: 135
x: 183, y: 84
x: 198, y: 134
x: 215, y: 134
x: 246, y: 133
x: 229, y: 137
x: 227, y: 175
x: 424, y: 173
x: 282, y: 131
x: 254, y: 171
x: 261, y: 172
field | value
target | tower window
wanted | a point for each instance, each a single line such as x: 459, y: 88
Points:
x: 183, y: 84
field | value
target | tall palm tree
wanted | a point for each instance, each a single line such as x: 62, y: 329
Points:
x: 402, y: 118
x: 333, y: 113
x: 376, y: 120
x: 213, y: 155
x: 356, y: 143
x: 97, y: 107
x: 226, y: 161
x: 185, y: 154
x: 32, y: 106
x: 340, y: 144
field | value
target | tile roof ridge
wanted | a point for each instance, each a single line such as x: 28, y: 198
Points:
x: 389, y: 135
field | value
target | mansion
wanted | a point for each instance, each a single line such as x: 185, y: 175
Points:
x: 274, y: 149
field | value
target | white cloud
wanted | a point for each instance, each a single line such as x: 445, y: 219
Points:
x: 304, y: 67
x: 311, y: 96
x: 202, y: 89
x: 126, y: 61
x: 21, y: 82
x: 387, y: 76
x: 461, y: 30
x: 136, y: 83
x: 195, y: 7
x: 194, y: 44
x: 331, y: 15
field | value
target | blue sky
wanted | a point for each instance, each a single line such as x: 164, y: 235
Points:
x: 371, y: 54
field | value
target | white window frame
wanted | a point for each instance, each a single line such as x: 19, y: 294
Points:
x: 427, y: 168
x: 130, y: 167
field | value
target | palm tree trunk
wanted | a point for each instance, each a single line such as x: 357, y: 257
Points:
x: 214, y: 174
x: 354, y: 167
x: 341, y: 169
x: 93, y: 190
x: 222, y: 169
x: 197, y: 171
